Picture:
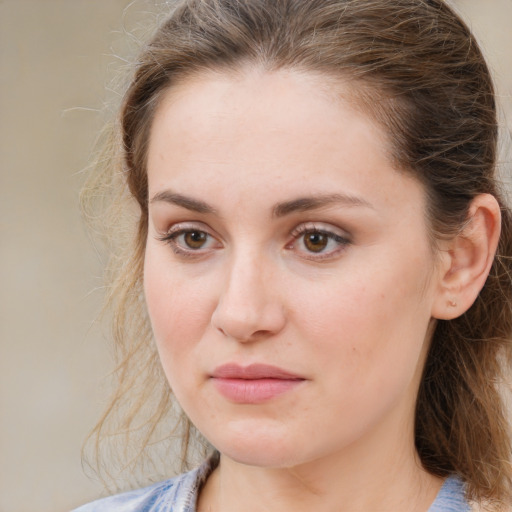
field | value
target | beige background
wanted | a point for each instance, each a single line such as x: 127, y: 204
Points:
x: 57, y: 58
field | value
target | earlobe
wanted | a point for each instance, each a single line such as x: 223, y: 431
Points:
x: 467, y: 259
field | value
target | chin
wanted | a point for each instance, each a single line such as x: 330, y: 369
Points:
x: 253, y: 446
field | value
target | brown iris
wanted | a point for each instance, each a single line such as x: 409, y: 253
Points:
x: 195, y: 239
x: 315, y: 241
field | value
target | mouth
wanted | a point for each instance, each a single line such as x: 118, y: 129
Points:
x: 253, y: 384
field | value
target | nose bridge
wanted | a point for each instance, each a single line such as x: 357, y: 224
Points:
x: 248, y: 305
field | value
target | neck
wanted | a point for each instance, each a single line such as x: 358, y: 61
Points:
x: 366, y: 476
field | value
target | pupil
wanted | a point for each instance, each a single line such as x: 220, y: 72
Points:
x: 316, y: 242
x: 195, y: 239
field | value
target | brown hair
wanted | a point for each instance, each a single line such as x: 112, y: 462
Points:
x: 420, y: 73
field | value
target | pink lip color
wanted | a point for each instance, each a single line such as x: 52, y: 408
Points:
x: 253, y: 384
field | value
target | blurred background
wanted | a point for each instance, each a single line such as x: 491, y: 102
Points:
x: 58, y: 61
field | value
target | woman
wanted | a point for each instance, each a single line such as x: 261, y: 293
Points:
x: 324, y: 256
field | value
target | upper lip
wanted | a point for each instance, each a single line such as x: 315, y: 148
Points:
x: 253, y: 372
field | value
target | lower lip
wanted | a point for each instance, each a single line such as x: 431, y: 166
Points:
x: 254, y: 391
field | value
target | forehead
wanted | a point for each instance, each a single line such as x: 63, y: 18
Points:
x: 280, y: 86
x: 253, y: 102
x: 267, y: 129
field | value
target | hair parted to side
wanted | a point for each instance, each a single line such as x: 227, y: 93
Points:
x: 417, y: 70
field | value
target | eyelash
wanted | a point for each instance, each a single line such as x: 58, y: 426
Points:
x: 171, y: 238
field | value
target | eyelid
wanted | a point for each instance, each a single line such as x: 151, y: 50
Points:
x: 321, y: 227
x: 185, y: 225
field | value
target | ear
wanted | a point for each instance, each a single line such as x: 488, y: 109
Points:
x: 466, y: 259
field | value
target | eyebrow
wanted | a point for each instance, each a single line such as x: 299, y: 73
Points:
x: 304, y: 204
x: 186, y: 202
x: 301, y: 204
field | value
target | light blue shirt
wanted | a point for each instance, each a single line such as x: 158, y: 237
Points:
x: 179, y: 494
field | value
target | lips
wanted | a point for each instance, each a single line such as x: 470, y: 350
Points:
x: 253, y: 384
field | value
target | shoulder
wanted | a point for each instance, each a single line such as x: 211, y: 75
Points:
x: 178, y: 494
x: 146, y: 499
x: 451, y: 497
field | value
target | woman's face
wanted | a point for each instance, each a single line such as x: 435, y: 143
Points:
x: 288, y: 272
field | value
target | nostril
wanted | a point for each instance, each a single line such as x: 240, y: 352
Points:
x: 261, y: 333
x: 221, y: 330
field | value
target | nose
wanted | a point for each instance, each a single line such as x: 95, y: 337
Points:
x: 249, y: 307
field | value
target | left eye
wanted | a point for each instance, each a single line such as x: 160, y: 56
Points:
x: 318, y: 243
x: 315, y: 241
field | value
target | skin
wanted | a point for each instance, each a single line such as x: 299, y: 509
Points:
x: 353, y: 320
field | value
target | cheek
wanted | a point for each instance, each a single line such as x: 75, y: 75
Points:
x: 179, y: 313
x: 368, y: 323
x: 179, y: 307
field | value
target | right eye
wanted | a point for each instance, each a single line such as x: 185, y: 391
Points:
x: 190, y: 241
